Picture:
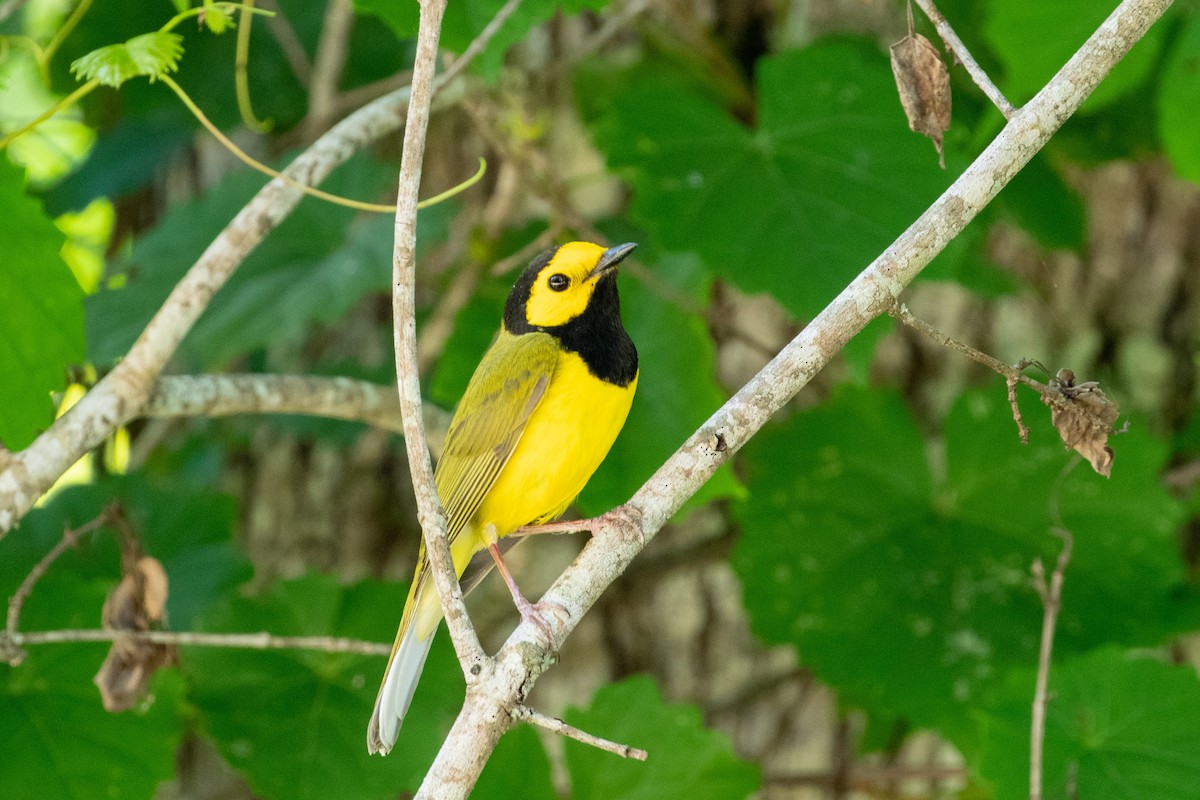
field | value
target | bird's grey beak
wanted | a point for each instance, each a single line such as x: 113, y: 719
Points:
x: 610, y: 258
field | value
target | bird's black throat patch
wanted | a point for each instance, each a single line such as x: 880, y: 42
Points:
x: 596, y: 335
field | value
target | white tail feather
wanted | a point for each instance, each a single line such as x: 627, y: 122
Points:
x: 396, y: 693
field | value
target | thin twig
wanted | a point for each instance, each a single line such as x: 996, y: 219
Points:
x: 327, y: 65
x: 69, y: 539
x: 429, y: 511
x: 555, y: 725
x: 245, y: 641
x: 1011, y: 372
x: 1022, y: 428
x: 960, y: 51
x: 1051, y: 596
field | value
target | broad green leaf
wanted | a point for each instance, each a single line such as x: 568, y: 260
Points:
x: 317, y: 264
x: 41, y: 313
x: 1034, y: 41
x: 464, y: 21
x: 861, y: 558
x: 685, y: 758
x: 151, y: 54
x: 1178, y: 122
x: 796, y: 206
x: 58, y: 741
x: 294, y: 722
x: 1045, y: 206
x: 1117, y: 725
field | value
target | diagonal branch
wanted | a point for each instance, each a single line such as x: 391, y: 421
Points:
x: 492, y: 700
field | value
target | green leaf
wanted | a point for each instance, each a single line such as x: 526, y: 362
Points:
x: 151, y: 54
x: 1116, y: 726
x: 860, y: 558
x: 685, y: 759
x: 1045, y: 206
x: 1178, y: 122
x: 1016, y: 32
x: 465, y: 20
x: 796, y: 206
x: 294, y: 722
x: 41, y: 313
x: 218, y: 17
x: 313, y: 268
x: 58, y: 741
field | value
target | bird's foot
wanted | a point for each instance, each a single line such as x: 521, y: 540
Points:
x: 543, y: 615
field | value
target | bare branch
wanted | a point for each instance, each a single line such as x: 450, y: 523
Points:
x: 225, y: 395
x: 245, y: 641
x: 524, y: 657
x: 429, y: 511
x: 960, y: 51
x: 556, y: 725
x: 1051, y: 596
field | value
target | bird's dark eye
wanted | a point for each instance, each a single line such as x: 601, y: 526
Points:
x: 558, y: 282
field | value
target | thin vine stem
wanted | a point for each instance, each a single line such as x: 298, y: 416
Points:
x: 241, y: 76
x: 255, y: 164
x: 64, y: 31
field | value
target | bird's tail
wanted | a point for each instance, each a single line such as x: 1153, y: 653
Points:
x: 403, y: 671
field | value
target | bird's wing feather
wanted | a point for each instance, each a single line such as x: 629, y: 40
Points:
x: 503, y: 393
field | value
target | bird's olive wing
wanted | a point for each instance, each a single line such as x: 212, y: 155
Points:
x: 505, y: 389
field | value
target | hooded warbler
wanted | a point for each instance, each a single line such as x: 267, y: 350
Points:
x: 539, y: 415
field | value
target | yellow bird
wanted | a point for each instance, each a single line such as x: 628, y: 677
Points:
x: 539, y: 415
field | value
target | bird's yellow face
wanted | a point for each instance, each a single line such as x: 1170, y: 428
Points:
x: 562, y: 289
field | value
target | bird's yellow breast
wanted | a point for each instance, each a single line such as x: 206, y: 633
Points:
x: 567, y: 436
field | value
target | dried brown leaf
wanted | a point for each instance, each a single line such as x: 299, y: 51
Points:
x: 924, y: 86
x: 137, y: 603
x: 1084, y: 417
